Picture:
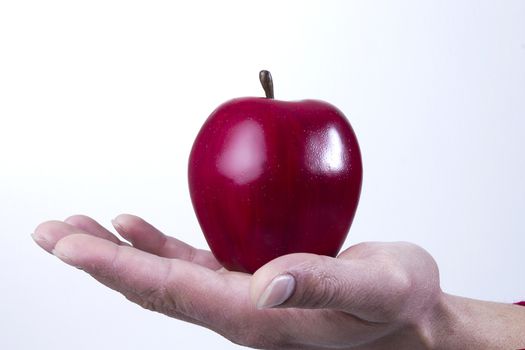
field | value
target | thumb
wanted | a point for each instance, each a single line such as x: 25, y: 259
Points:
x: 301, y: 280
x: 312, y: 281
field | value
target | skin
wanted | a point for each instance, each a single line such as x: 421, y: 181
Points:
x: 372, y: 296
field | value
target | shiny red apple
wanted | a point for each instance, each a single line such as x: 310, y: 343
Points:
x: 270, y: 177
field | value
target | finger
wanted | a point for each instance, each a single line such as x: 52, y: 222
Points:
x: 147, y: 238
x: 48, y: 233
x: 88, y: 225
x: 174, y: 287
x: 371, y: 290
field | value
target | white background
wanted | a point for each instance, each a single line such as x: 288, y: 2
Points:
x: 100, y: 102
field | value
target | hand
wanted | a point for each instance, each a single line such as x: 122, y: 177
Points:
x: 373, y: 296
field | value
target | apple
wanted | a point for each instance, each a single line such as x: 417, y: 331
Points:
x: 269, y: 178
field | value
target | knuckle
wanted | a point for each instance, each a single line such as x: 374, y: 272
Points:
x: 163, y: 301
x: 158, y: 295
x: 397, y: 290
x: 400, y: 280
x: 158, y: 300
x: 395, y: 276
x: 319, y: 287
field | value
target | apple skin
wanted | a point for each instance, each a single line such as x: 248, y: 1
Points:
x: 269, y: 178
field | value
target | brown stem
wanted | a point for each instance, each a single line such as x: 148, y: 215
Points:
x: 266, y: 81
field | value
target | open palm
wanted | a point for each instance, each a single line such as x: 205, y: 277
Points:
x: 371, y: 297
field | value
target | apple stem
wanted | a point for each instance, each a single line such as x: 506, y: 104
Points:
x: 267, y: 83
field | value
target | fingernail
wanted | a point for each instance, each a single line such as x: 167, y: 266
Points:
x: 38, y: 238
x: 115, y: 224
x: 61, y: 256
x: 277, y: 292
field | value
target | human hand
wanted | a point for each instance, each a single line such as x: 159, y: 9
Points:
x: 372, y: 296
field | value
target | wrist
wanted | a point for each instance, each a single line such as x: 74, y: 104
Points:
x: 445, y: 330
x: 436, y: 324
x: 462, y: 323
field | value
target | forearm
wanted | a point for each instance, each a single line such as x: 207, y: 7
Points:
x: 463, y: 323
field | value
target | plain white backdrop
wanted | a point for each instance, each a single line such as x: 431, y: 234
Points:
x: 100, y: 102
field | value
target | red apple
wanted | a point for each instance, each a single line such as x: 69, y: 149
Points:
x: 270, y: 177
